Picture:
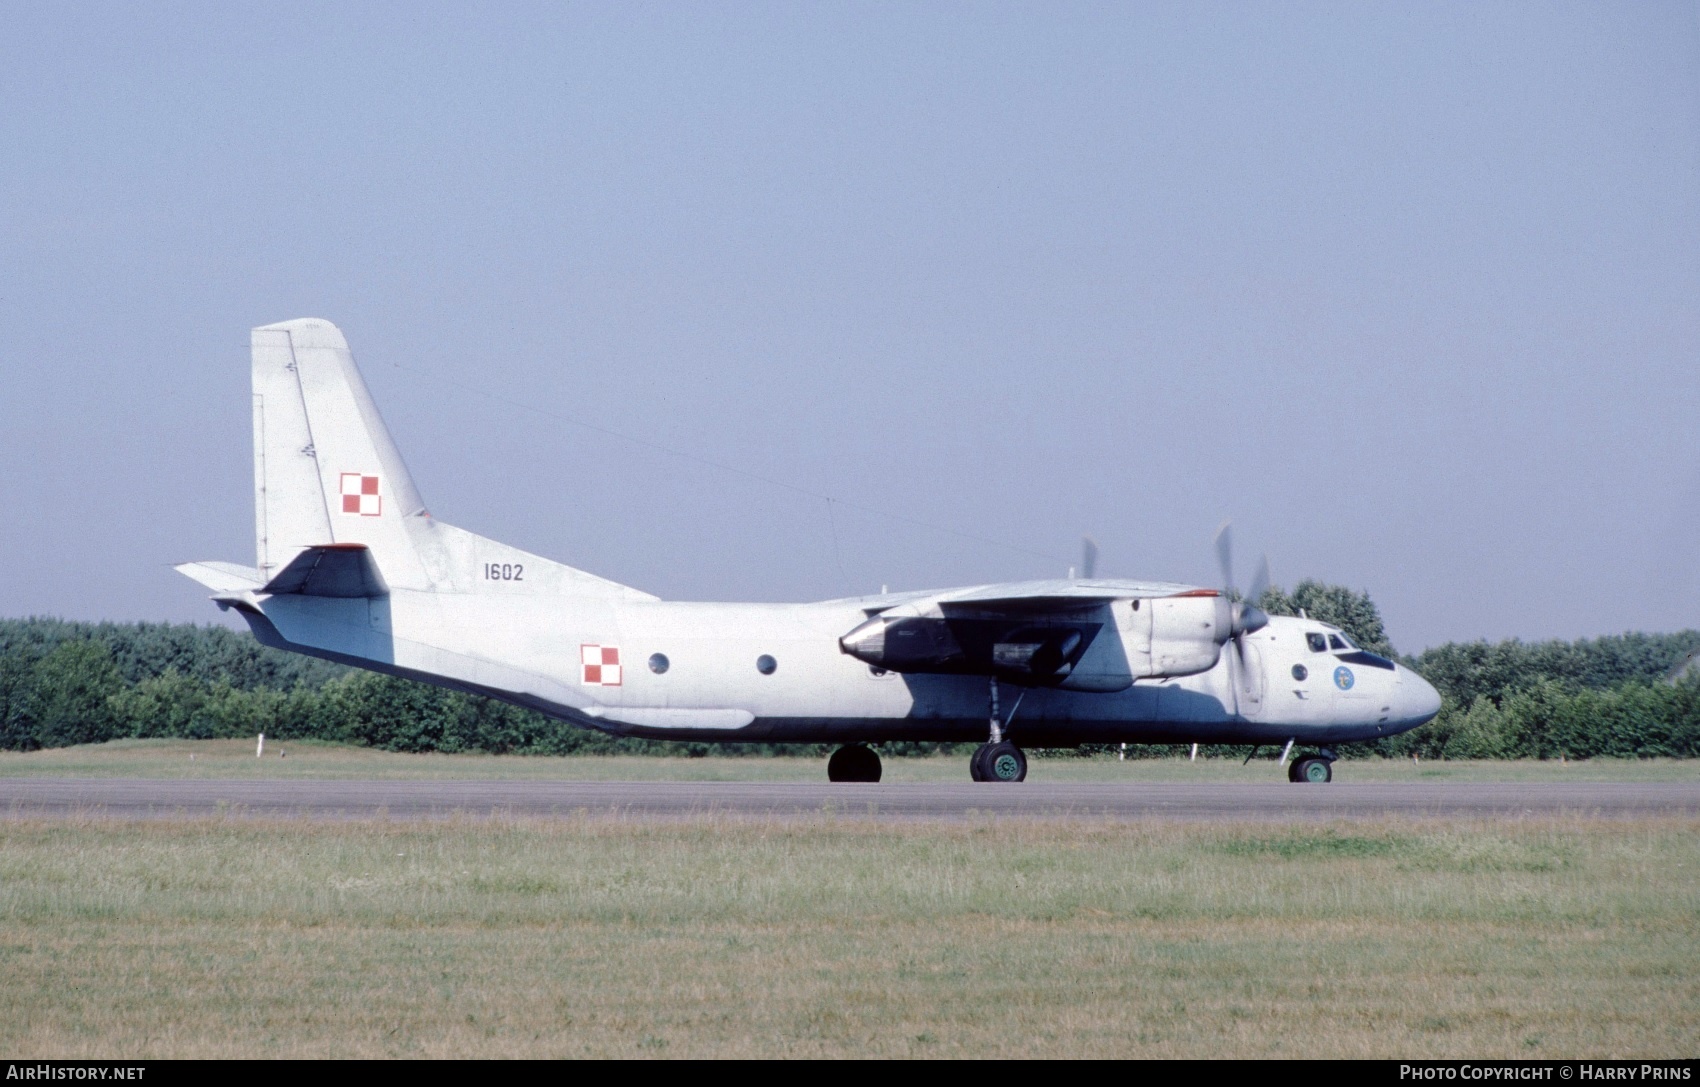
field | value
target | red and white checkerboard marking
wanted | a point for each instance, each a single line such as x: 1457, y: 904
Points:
x: 360, y: 495
x: 601, y: 664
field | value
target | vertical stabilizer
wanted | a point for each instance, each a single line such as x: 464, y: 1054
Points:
x: 325, y: 468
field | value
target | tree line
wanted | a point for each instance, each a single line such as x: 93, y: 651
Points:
x: 65, y: 683
x: 1513, y: 699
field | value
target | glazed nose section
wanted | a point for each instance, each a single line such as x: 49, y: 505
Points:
x: 1418, y: 701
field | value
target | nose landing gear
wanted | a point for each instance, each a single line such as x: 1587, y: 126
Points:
x: 1312, y: 769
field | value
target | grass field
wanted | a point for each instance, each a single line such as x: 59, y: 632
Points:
x: 235, y: 759
x: 823, y: 936
x: 833, y: 937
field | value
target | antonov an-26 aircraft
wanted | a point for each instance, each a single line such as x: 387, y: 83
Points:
x: 351, y: 567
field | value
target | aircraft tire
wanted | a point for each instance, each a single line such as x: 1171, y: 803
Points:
x: 1311, y: 770
x: 976, y: 771
x: 853, y: 762
x: 1001, y: 762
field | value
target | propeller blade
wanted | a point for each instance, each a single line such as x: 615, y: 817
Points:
x: 1088, y: 557
x: 1259, y: 581
x: 1225, y: 553
x: 1248, y: 617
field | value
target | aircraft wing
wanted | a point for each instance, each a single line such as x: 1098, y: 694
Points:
x: 1038, y: 596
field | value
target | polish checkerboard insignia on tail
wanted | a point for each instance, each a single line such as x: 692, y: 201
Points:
x: 360, y: 495
x: 601, y: 665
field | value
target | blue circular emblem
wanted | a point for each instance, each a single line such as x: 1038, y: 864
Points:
x: 1343, y: 678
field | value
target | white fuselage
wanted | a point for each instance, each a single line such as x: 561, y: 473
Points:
x: 531, y: 650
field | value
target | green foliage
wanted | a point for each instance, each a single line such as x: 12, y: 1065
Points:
x: 400, y: 715
x: 144, y: 650
x: 1583, y: 699
x: 17, y: 700
x: 175, y: 705
x: 1484, y: 731
x: 1550, y: 720
x: 68, y: 702
x: 1353, y: 612
x: 1470, y: 670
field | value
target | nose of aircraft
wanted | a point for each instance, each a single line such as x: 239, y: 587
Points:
x: 1417, y: 700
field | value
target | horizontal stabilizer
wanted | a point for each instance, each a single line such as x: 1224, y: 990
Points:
x: 338, y: 570
x: 222, y: 577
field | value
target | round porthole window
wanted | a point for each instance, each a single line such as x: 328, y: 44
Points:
x: 1300, y: 671
x: 658, y: 663
x: 766, y: 664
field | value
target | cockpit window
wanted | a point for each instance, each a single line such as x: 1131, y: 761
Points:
x: 1317, y: 643
x: 1337, y: 642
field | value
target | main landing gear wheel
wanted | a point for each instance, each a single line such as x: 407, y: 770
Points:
x: 1312, y: 769
x: 853, y: 762
x: 1002, y: 761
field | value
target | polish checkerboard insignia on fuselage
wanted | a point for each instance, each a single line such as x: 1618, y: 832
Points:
x: 601, y: 665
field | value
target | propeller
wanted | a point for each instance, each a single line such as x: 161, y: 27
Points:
x: 1088, y: 557
x: 1247, y: 615
x: 1225, y: 553
x: 1259, y: 581
x: 1247, y: 618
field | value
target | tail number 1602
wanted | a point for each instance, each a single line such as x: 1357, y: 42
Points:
x: 504, y: 571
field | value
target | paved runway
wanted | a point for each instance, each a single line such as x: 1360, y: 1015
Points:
x: 136, y: 798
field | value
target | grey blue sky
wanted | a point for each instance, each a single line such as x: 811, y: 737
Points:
x: 1410, y: 292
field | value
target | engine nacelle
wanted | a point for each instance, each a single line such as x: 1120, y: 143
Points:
x: 902, y: 641
x: 1181, y: 635
x: 1153, y: 637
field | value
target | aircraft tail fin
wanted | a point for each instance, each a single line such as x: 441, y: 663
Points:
x: 336, y: 512
x: 325, y: 468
